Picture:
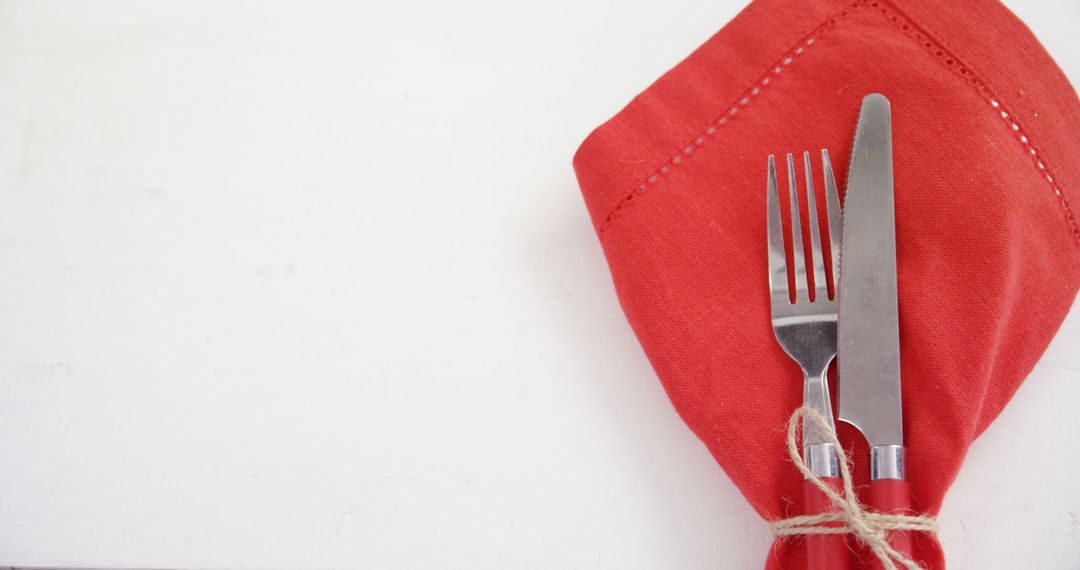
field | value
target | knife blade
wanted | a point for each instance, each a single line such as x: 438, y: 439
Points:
x: 868, y: 343
x: 868, y: 332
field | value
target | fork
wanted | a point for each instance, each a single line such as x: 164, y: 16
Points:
x: 805, y: 327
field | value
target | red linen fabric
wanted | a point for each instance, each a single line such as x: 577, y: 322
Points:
x: 987, y: 171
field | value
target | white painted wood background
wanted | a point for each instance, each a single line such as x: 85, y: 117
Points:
x: 310, y: 285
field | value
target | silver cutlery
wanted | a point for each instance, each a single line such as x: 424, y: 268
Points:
x: 805, y: 325
x: 869, y: 334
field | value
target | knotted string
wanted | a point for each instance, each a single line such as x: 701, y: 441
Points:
x: 869, y: 528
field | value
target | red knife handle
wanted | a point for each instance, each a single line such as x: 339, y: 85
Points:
x: 892, y: 496
x: 824, y: 551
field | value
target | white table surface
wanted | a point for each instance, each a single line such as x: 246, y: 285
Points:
x: 310, y: 285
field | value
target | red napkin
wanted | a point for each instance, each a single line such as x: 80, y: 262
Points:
x: 988, y: 243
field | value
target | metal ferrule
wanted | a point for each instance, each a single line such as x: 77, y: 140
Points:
x: 887, y: 462
x: 822, y: 460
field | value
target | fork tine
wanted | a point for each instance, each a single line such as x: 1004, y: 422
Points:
x: 778, y: 277
x: 821, y: 288
x: 796, y: 235
x: 836, y: 226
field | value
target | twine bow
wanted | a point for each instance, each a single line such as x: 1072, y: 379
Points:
x: 869, y: 528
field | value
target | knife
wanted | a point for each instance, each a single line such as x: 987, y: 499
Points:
x: 868, y: 343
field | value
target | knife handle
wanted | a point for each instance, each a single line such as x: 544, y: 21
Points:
x: 892, y: 496
x: 824, y: 551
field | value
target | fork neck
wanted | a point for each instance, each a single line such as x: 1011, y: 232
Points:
x: 816, y: 396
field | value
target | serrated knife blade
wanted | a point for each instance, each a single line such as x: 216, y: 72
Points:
x: 868, y: 335
x: 868, y: 345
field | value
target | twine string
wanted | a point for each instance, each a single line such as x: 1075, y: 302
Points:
x: 851, y: 517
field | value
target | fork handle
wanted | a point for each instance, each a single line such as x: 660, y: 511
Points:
x: 892, y: 496
x: 824, y: 551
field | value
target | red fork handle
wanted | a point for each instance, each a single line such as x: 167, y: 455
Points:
x: 892, y: 496
x: 824, y: 551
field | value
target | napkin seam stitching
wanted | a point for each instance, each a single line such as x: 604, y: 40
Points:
x: 937, y: 48
x: 744, y: 99
x: 914, y: 30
